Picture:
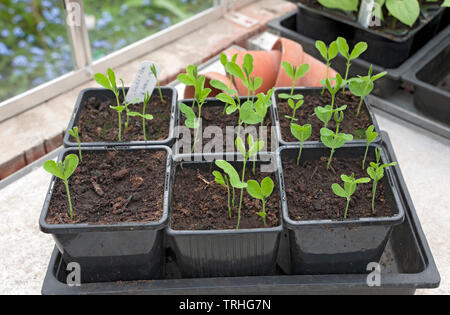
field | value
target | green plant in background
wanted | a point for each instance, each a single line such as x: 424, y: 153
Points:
x: 295, y: 73
x: 224, y: 181
x: 328, y: 54
x: 235, y: 182
x: 245, y: 74
x: 349, y: 189
x: 224, y: 61
x: 63, y: 170
x: 74, y: 133
x: 301, y: 133
x: 344, y: 5
x: 261, y: 192
x: 155, y: 73
x: 191, y: 78
x: 370, y: 137
x: 344, y: 50
x: 363, y: 86
x: 144, y: 116
x: 376, y: 172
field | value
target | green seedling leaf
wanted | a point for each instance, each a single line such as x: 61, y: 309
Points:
x: 344, y: 5
x: 322, y: 48
x: 248, y: 115
x: 232, y: 174
x: 406, y: 11
x: 288, y: 69
x: 240, y: 146
x: 284, y: 96
x: 101, y: 79
x: 267, y: 186
x: 358, y: 50
x: 53, y: 168
x: 301, y: 133
x: 234, y: 70
x: 191, y: 119
x: 118, y: 109
x: 218, y: 177
x: 248, y: 65
x: 112, y: 78
x: 218, y: 85
x: 324, y: 113
x: 186, y: 79
x: 70, y: 165
x: 338, y: 190
x: 343, y: 47
x: 254, y: 189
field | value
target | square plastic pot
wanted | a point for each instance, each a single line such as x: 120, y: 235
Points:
x: 309, y: 91
x: 425, y: 76
x: 214, y: 102
x: 223, y: 253
x: 120, y: 252
x: 327, y: 25
x: 384, y: 87
x: 339, y: 247
x: 99, y: 92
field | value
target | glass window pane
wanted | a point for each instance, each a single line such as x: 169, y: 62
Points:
x: 118, y: 23
x: 34, y: 47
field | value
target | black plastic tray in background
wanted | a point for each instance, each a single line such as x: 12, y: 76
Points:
x: 427, y: 73
x: 317, y: 90
x: 104, y: 93
x: 384, y: 87
x: 327, y: 25
x: 407, y: 265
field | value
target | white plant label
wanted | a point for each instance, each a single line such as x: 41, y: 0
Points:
x: 144, y: 81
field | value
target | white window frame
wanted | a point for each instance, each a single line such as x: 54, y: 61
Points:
x: 85, y: 67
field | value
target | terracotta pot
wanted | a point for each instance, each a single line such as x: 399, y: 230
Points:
x: 266, y: 65
x: 293, y: 52
x: 189, y: 92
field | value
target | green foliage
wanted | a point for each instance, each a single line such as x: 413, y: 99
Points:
x: 370, y: 137
x: 376, y: 172
x: 74, y: 133
x: 327, y: 53
x: 63, y: 170
x: 344, y: 50
x: 155, y: 73
x: 191, y: 78
x: 406, y: 11
x: 349, y: 189
x: 261, y: 192
x: 295, y: 72
x: 363, y: 86
x: 344, y: 5
x: 333, y: 141
x: 301, y: 133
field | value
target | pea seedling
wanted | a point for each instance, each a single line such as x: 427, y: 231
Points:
x: 335, y: 90
x: 254, y: 148
x: 334, y: 140
x: 376, y: 172
x: 344, y: 50
x: 349, y: 189
x: 74, y: 133
x: 301, y: 133
x: 245, y: 74
x: 144, y: 116
x: 327, y: 53
x: 363, y: 86
x: 191, y: 78
x: 295, y: 73
x: 63, y: 170
x: 235, y: 182
x: 261, y: 193
x: 223, y: 180
x: 370, y: 137
x: 324, y: 114
x: 224, y: 61
x: 155, y: 73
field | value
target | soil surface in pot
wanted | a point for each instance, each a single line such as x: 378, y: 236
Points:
x: 352, y: 124
x: 213, y: 116
x: 309, y: 195
x: 201, y: 204
x: 112, y: 187
x: 99, y: 123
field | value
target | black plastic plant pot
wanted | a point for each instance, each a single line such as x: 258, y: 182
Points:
x: 314, y: 91
x: 327, y: 25
x: 384, y: 87
x: 103, y: 94
x: 431, y: 80
x: 338, y: 247
x: 183, y: 147
x: 223, y: 253
x: 118, y: 252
